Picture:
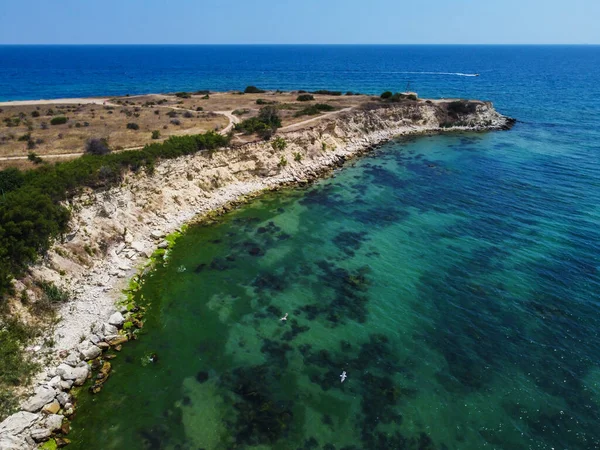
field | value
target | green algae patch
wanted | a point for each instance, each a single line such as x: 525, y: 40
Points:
x: 49, y: 445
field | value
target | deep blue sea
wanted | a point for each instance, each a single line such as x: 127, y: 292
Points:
x: 455, y: 278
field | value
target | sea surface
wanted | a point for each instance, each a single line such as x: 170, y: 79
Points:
x: 454, y: 278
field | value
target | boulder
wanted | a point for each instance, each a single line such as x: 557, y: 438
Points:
x: 42, y: 396
x: 163, y: 245
x: 16, y: 423
x: 63, y: 398
x: 72, y: 360
x: 11, y: 442
x: 157, y: 234
x: 55, y: 382
x: 77, y: 374
x: 51, y: 408
x: 109, y: 329
x: 40, y: 434
x: 116, y: 319
x: 65, y: 385
x: 53, y: 422
x: 88, y: 350
x: 116, y: 340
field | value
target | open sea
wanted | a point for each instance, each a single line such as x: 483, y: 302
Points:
x: 455, y: 278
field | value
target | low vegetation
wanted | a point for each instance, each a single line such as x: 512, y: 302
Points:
x: 397, y: 97
x: 59, y: 120
x: 315, y: 109
x: 265, y: 124
x: 305, y: 98
x: 97, y: 146
x: 326, y: 92
x: 253, y: 90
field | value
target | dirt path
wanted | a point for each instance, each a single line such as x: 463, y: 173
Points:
x: 314, y: 119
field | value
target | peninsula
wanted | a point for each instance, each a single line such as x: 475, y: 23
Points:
x: 113, y: 178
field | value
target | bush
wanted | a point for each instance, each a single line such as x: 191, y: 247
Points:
x: 156, y: 134
x: 199, y: 108
x: 279, y: 143
x: 60, y: 120
x: 297, y: 157
x: 267, y: 121
x: 188, y: 114
x: 183, y: 95
x: 204, y: 92
x: 315, y: 109
x: 35, y: 114
x: 240, y: 112
x: 97, y: 146
x: 386, y: 95
x: 25, y: 137
x: 253, y: 90
x: 34, y: 158
x: 305, y: 98
x: 262, y: 101
x: 176, y: 121
x: 461, y: 107
x: 133, y: 126
x: 326, y: 92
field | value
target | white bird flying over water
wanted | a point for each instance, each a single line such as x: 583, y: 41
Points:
x: 284, y: 317
x: 343, y: 376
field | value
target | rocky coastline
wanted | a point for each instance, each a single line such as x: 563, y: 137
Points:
x: 116, y: 231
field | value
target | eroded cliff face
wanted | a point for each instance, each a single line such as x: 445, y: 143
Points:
x: 113, y: 232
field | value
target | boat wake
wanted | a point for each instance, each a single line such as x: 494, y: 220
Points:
x: 457, y: 74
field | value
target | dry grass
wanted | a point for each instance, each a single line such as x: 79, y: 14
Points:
x: 196, y: 114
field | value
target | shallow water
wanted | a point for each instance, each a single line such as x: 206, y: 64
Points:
x: 459, y: 296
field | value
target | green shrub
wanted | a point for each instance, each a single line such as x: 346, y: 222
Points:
x: 53, y: 293
x: 297, y: 156
x: 305, y: 98
x: 35, y: 114
x: 199, y: 108
x: 282, y: 161
x: 133, y: 126
x: 279, y: 143
x: 183, y: 95
x: 25, y: 137
x: 262, y: 101
x: 156, y: 134
x: 59, y: 120
x: 315, y: 109
x: 265, y: 124
x: 386, y: 95
x: 240, y: 112
x: 34, y: 158
x: 461, y: 107
x: 97, y: 146
x: 188, y: 114
x: 253, y: 90
x: 326, y: 92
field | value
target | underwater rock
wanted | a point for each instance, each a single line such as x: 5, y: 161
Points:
x: 202, y: 377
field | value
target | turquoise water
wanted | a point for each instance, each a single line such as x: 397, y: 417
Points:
x: 459, y: 295
x: 454, y: 278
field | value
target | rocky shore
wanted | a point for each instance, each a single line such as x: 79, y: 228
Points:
x: 114, y: 233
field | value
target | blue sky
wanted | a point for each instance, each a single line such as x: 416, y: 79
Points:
x: 300, y: 22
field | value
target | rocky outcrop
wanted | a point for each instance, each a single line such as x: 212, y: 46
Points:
x: 126, y: 223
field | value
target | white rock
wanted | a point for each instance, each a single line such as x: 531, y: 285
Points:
x: 138, y: 246
x: 55, y: 382
x: 120, y: 248
x: 116, y: 319
x: 163, y: 244
x: 65, y: 385
x: 63, y: 398
x: 94, y: 339
x: 88, y: 350
x: 16, y: 423
x: 43, y: 395
x: 77, y: 374
x: 10, y: 442
x: 40, y: 434
x: 72, y: 360
x: 53, y: 421
x: 157, y: 234
x: 109, y: 330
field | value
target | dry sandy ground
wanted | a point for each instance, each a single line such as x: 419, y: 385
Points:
x: 25, y: 126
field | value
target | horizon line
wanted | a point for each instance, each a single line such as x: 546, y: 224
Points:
x: 305, y: 44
